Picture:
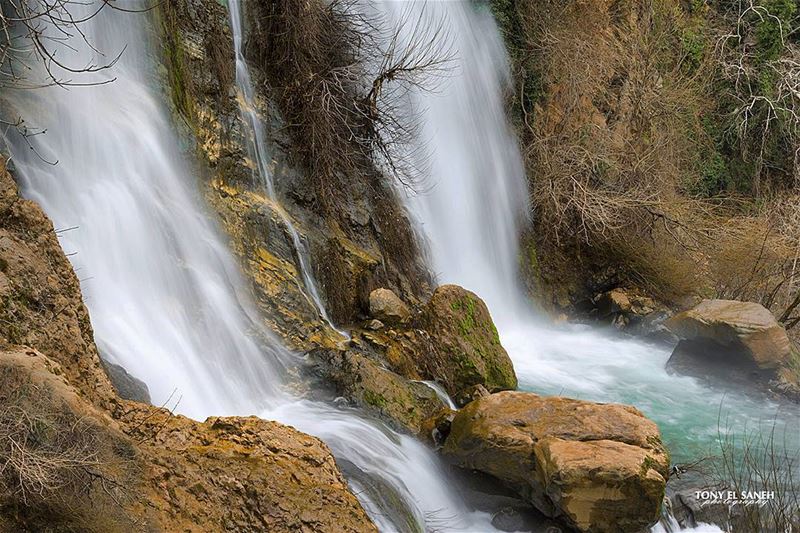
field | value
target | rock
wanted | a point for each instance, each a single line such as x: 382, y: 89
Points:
x: 385, y: 305
x: 652, y: 327
x: 642, y: 305
x: 470, y: 394
x: 735, y: 345
x: 437, y: 428
x: 242, y: 474
x: 598, y: 467
x: 127, y: 386
x: 508, y: 519
x: 374, y: 324
x: 747, y: 326
x: 455, y: 343
x: 689, y: 511
x: 361, y: 379
x: 162, y: 472
x: 42, y: 307
x: 613, y: 302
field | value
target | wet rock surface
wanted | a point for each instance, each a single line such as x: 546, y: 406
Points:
x: 127, y: 386
x: 454, y: 342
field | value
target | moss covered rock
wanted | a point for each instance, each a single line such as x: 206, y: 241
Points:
x: 455, y: 342
x: 598, y: 467
x: 405, y: 403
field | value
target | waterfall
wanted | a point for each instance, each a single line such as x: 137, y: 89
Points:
x: 470, y: 216
x: 478, y: 195
x: 166, y: 298
x: 259, y: 150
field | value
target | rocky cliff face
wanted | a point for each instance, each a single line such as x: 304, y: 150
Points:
x: 41, y: 299
x: 76, y: 456
x: 363, y: 242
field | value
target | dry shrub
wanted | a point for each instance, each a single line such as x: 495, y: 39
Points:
x: 58, y: 470
x: 616, y: 144
x: 755, y: 258
x: 340, y: 79
x: 761, y: 459
x: 608, y: 148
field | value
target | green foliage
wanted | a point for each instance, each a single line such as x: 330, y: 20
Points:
x: 714, y: 177
x: 773, y: 27
x: 693, y: 43
x: 530, y: 87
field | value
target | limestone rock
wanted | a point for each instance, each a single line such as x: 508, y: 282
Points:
x: 740, y: 325
x: 385, y: 305
x: 613, y: 302
x: 163, y: 472
x: 42, y: 306
x: 470, y: 394
x: 599, y: 467
x: 374, y: 324
x: 362, y: 380
x: 242, y: 474
x: 463, y: 346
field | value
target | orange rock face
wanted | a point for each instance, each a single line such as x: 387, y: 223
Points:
x: 745, y: 325
x: 599, y: 467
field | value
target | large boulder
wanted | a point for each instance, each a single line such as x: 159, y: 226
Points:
x: 598, y: 467
x: 454, y: 342
x: 745, y: 326
x: 149, y: 470
x: 735, y: 344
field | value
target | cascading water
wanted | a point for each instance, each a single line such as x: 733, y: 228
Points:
x: 165, y: 296
x: 257, y: 145
x: 470, y: 217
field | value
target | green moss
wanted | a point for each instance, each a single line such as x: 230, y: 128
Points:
x: 466, y: 308
x: 375, y: 399
x: 175, y: 61
x: 649, y: 464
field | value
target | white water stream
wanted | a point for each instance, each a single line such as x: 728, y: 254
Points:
x: 259, y: 151
x: 165, y: 296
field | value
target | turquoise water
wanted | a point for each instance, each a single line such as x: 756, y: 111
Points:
x: 581, y: 362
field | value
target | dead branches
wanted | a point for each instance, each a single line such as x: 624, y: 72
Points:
x: 341, y: 82
x: 762, y: 67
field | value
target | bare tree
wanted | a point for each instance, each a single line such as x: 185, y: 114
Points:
x: 765, y: 87
x: 341, y: 80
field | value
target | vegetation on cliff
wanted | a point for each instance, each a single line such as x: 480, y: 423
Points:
x: 660, y: 141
